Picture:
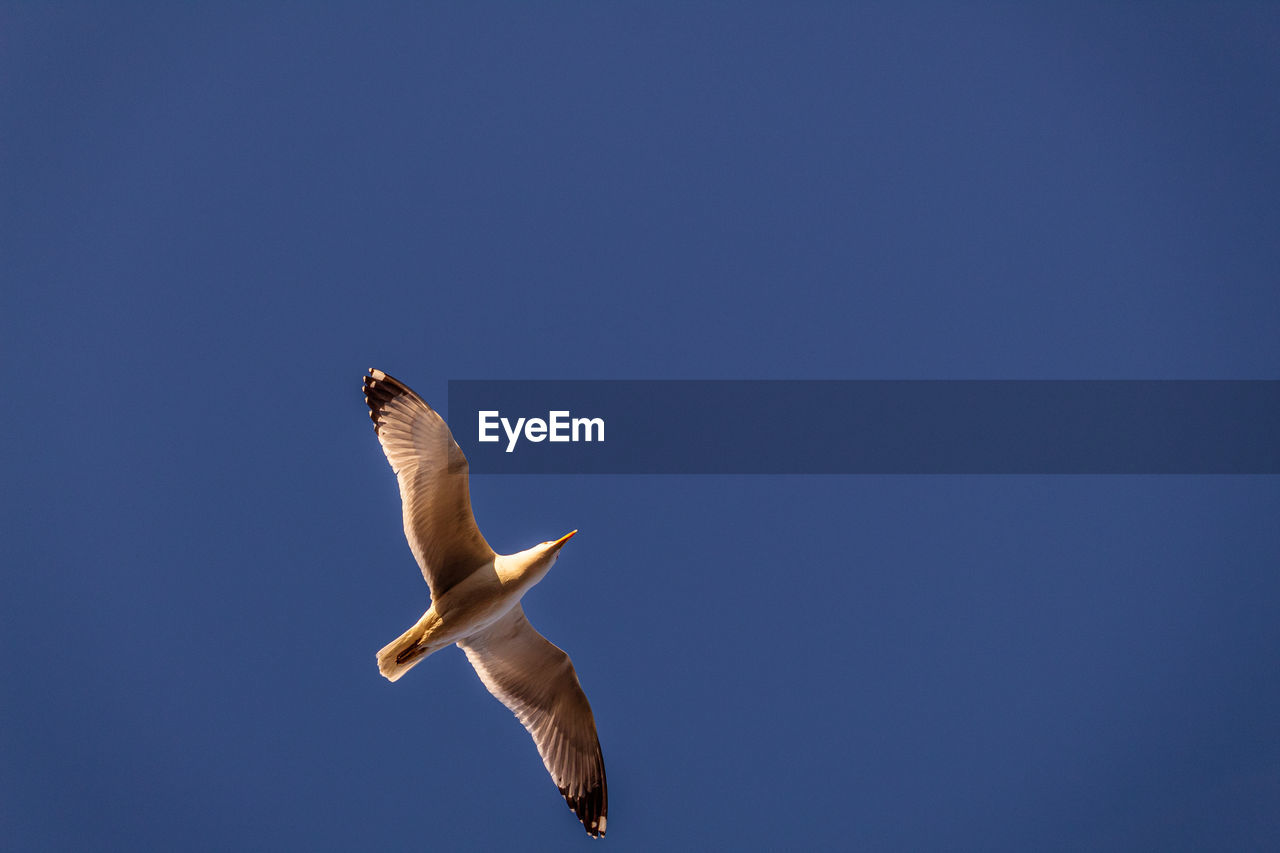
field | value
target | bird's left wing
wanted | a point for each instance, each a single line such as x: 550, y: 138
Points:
x: 432, y: 472
x: 536, y: 680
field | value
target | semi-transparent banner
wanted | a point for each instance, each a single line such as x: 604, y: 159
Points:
x: 867, y: 427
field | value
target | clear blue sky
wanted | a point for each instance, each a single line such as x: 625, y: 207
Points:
x: 215, y: 219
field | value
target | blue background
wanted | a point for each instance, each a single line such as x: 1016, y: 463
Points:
x: 215, y: 219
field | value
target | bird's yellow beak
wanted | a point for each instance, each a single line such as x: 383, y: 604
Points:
x: 563, y: 539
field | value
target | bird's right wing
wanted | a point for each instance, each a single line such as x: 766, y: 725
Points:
x: 537, y: 682
x: 432, y: 472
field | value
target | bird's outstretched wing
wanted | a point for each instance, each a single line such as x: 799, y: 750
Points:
x: 537, y: 682
x: 432, y: 472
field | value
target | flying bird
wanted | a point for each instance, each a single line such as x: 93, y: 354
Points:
x: 475, y: 599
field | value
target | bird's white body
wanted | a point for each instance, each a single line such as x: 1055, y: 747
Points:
x: 477, y: 602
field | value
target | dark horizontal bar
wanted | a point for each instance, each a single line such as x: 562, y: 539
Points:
x: 880, y: 427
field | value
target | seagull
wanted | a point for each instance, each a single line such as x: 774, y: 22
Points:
x: 475, y: 599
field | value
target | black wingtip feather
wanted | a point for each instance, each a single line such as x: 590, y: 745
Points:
x: 589, y: 807
x: 380, y: 389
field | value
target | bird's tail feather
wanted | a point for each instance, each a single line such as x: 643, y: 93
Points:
x: 406, y: 651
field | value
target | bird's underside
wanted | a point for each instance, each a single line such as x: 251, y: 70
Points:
x: 476, y: 600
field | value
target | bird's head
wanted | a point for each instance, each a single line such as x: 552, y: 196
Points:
x: 553, y: 548
x: 545, y: 554
x: 531, y: 565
